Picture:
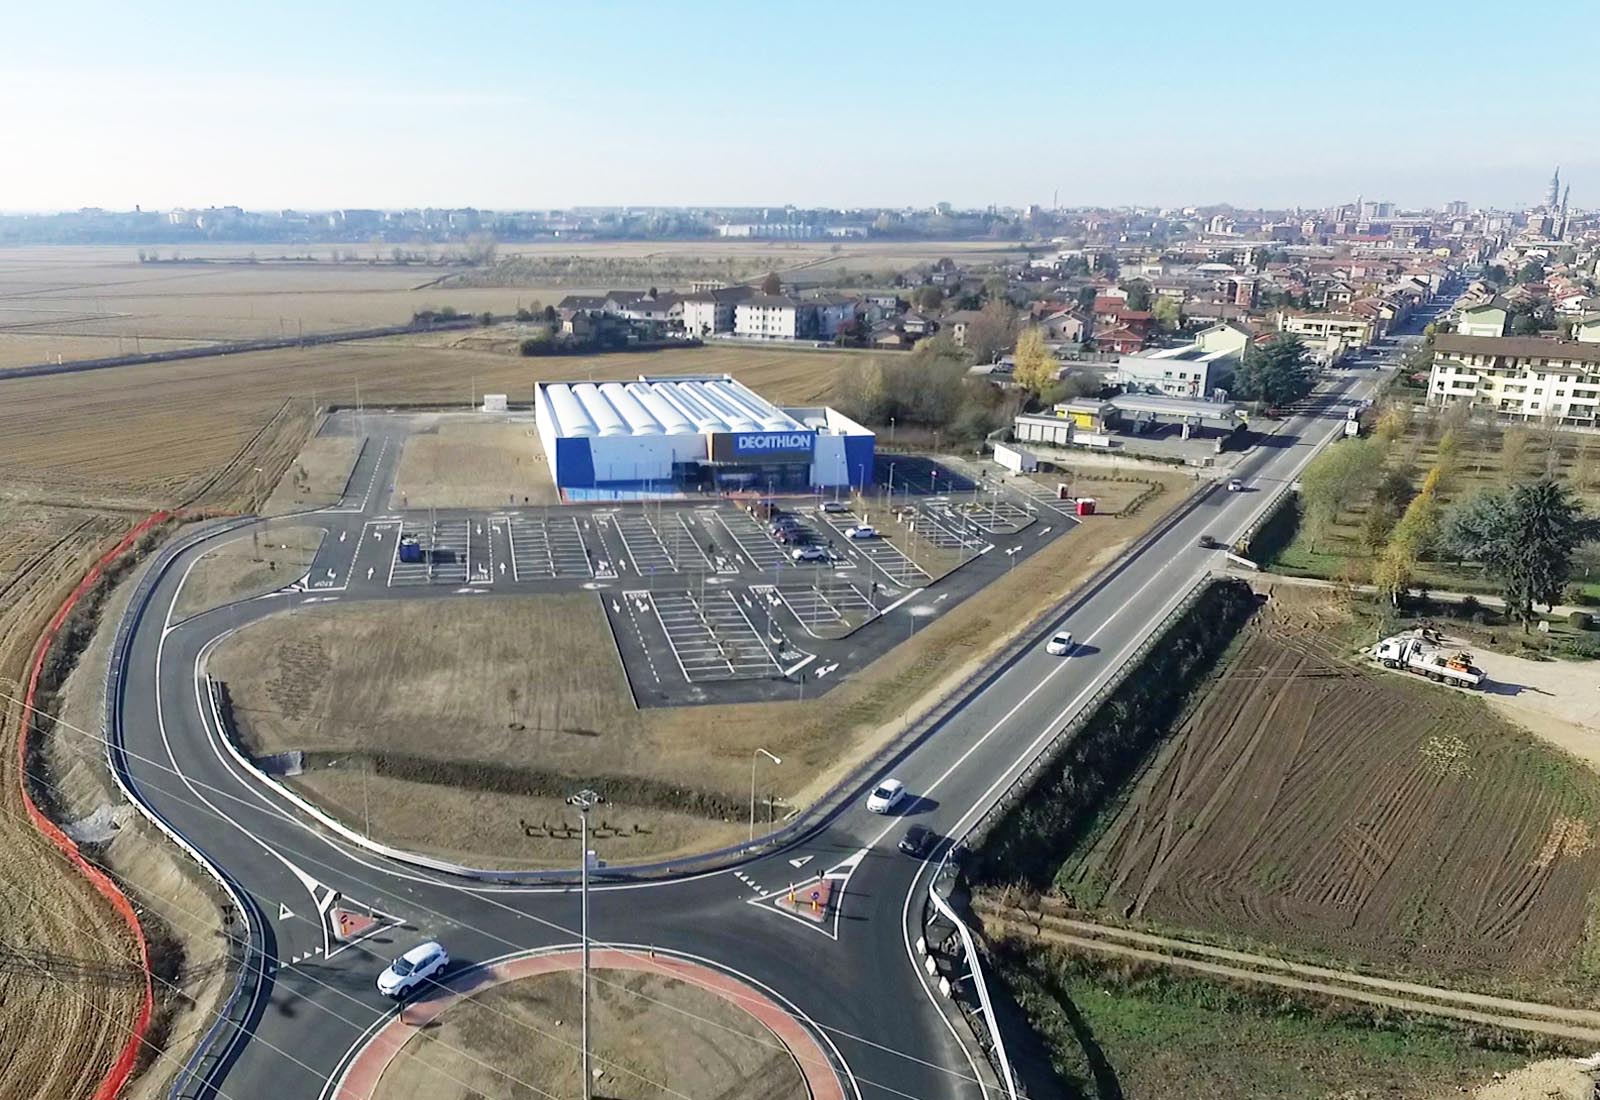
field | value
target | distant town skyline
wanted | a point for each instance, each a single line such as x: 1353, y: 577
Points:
x: 184, y: 105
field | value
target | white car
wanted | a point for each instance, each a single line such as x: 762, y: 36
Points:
x: 809, y: 553
x: 861, y: 531
x: 1060, y: 645
x: 1235, y: 485
x: 416, y: 966
x: 886, y: 796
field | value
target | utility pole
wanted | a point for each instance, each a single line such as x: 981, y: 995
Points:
x: 584, y: 801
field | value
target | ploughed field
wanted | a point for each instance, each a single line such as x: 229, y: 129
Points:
x: 1311, y: 803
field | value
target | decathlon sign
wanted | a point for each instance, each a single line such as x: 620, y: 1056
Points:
x: 762, y: 446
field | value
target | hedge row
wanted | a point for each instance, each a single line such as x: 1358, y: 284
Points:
x: 1030, y: 844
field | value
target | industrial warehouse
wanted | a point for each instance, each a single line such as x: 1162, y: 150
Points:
x: 692, y: 434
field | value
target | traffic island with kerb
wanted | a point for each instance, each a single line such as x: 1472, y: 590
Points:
x: 677, y: 1026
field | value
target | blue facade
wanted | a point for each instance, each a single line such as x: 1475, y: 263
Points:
x: 858, y: 453
x: 574, y: 463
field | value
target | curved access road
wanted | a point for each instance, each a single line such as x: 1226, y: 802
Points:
x: 845, y: 966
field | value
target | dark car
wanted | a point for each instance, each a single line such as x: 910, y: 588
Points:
x: 1209, y: 543
x: 918, y: 841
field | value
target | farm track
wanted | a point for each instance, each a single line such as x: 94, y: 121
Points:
x: 1478, y: 1008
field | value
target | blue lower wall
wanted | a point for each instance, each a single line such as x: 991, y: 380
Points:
x: 858, y: 451
x: 574, y: 463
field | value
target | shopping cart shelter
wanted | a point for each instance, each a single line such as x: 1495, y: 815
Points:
x: 671, y: 436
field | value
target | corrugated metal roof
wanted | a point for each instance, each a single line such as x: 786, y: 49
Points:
x: 662, y: 406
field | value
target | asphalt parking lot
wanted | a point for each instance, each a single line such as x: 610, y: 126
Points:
x: 704, y: 602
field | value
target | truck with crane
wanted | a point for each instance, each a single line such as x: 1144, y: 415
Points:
x: 1422, y: 652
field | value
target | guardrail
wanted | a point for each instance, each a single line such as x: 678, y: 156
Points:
x: 995, y: 1048
x: 193, y: 1078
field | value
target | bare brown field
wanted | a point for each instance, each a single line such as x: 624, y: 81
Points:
x: 452, y: 680
x: 74, y: 302
x: 655, y: 1037
x: 60, y: 1031
x: 1309, y: 802
x: 154, y: 434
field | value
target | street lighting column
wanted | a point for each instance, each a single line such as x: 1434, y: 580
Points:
x: 755, y: 758
x: 584, y: 801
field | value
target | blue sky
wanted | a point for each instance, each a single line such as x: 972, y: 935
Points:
x: 505, y: 105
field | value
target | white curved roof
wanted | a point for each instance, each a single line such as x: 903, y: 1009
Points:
x: 663, y: 406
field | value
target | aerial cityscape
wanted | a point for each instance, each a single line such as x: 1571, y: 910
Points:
x: 550, y: 558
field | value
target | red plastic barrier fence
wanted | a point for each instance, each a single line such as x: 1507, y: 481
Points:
x: 122, y: 1069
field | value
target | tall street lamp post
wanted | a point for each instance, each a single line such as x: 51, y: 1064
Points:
x: 755, y: 758
x: 584, y: 801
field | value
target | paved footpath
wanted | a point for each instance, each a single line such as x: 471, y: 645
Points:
x: 361, y: 1077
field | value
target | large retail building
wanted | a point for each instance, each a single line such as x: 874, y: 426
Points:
x: 694, y: 433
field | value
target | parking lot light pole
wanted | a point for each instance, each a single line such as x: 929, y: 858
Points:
x: 755, y: 758
x: 584, y: 801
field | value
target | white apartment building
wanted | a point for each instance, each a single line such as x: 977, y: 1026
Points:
x: 1328, y: 335
x: 779, y: 317
x: 774, y: 317
x: 1525, y: 377
x: 708, y: 312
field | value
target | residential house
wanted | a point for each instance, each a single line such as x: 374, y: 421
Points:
x: 1064, y: 326
x: 957, y: 324
x: 1490, y: 318
x: 834, y: 312
x: 663, y: 309
x: 918, y: 325
x: 1120, y: 339
x: 587, y: 303
x: 1525, y: 377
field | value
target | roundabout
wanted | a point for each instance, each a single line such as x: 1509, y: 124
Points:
x: 655, y: 1018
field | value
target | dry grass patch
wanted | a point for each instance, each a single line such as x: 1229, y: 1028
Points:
x: 653, y: 1037
x: 317, y: 477
x: 248, y: 565
x: 477, y: 463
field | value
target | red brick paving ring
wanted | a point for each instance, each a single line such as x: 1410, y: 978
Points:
x: 821, y: 1067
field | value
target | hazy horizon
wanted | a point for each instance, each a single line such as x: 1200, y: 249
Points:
x: 706, y: 104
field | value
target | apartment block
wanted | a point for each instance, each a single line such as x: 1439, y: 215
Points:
x: 1521, y: 377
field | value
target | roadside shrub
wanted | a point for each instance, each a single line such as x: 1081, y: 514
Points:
x: 1580, y: 620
